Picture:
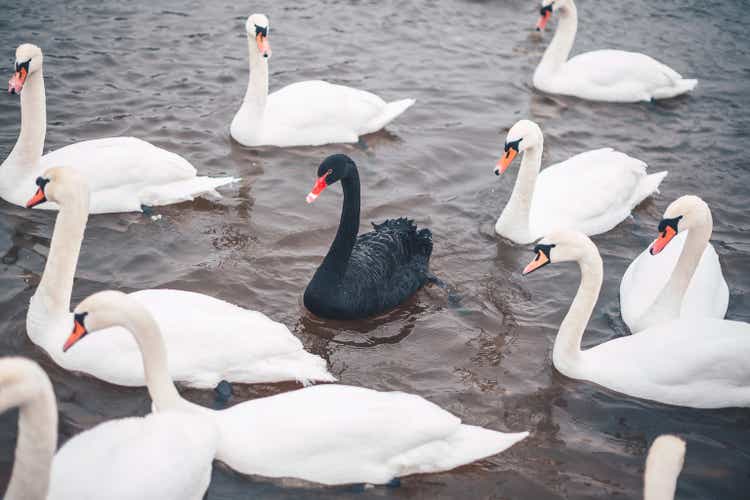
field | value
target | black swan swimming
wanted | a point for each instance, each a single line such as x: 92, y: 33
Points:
x: 368, y: 274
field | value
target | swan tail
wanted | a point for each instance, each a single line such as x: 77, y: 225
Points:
x: 389, y: 113
x: 468, y: 444
x: 184, y: 190
x: 416, y: 242
x: 680, y: 86
x: 648, y: 186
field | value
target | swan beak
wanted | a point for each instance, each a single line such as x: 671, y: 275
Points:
x: 15, y: 84
x: 78, y: 333
x: 540, y: 260
x: 318, y: 188
x: 263, y: 46
x: 37, y: 199
x: 664, y: 238
x: 546, y: 14
x: 505, y: 161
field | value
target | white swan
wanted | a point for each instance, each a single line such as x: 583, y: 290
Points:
x: 330, y: 434
x: 123, y: 173
x: 308, y: 113
x: 164, y: 456
x: 682, y: 279
x: 663, y: 466
x: 696, y: 362
x: 601, y: 75
x: 209, y: 339
x: 591, y: 192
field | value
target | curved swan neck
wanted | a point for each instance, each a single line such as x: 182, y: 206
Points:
x: 56, y: 285
x: 566, y: 354
x: 35, y: 447
x: 559, y: 48
x: 663, y: 466
x: 257, y: 86
x: 337, y: 259
x: 30, y: 143
x: 668, y: 304
x: 154, y: 354
x: 515, y: 218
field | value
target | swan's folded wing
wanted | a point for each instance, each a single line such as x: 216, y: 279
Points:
x: 115, y: 162
x: 164, y: 456
x: 616, y: 68
x: 590, y: 192
x: 337, y: 434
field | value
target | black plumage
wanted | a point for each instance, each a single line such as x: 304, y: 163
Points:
x: 368, y: 274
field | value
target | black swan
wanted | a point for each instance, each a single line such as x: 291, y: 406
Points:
x: 368, y: 274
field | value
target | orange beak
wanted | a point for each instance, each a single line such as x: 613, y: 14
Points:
x: 539, y: 261
x: 15, y: 84
x: 664, y: 238
x: 505, y: 161
x: 263, y: 46
x: 37, y: 199
x: 78, y: 332
x: 318, y: 188
x: 545, y: 15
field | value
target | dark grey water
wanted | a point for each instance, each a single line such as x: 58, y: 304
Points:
x: 174, y: 72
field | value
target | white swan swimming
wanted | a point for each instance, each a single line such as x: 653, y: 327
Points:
x: 682, y: 279
x: 164, y: 456
x: 209, y: 340
x: 600, y: 75
x: 590, y: 192
x: 663, y: 466
x: 330, y: 434
x: 124, y: 173
x: 697, y: 362
x: 308, y: 113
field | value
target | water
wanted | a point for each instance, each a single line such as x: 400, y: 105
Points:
x: 174, y: 73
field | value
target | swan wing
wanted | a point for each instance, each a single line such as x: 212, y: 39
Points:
x: 590, y: 192
x: 335, y: 434
x: 165, y: 456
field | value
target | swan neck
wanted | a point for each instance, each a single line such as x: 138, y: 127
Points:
x: 30, y: 143
x: 257, y: 86
x: 337, y: 259
x: 558, y: 51
x: 35, y: 447
x: 161, y: 388
x: 56, y: 285
x: 566, y: 354
x: 516, y: 214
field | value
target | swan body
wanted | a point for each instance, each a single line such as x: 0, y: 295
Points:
x: 346, y: 434
x: 307, y: 113
x: 164, y: 456
x: 601, y: 75
x: 209, y: 339
x: 590, y: 192
x: 124, y: 173
x: 663, y: 466
x: 696, y: 362
x: 683, y: 280
x: 371, y: 273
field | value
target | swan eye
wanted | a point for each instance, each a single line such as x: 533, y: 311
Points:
x: 665, y: 223
x: 513, y: 145
x: 260, y: 30
x: 41, y: 182
x: 547, y: 8
x: 543, y: 249
x: 23, y: 65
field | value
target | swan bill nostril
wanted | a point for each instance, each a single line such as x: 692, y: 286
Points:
x: 540, y: 260
x: 664, y: 238
x: 79, y: 331
x: 505, y: 161
x: 37, y: 199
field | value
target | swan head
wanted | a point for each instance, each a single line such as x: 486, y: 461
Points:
x: 560, y: 246
x: 97, y: 312
x: 546, y: 10
x: 29, y: 59
x: 59, y: 185
x: 524, y: 135
x: 257, y: 29
x: 333, y: 169
x: 21, y: 380
x: 682, y: 214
